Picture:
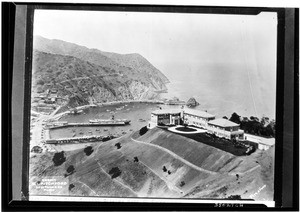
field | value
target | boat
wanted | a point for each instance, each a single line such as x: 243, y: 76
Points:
x: 76, y: 111
x: 110, y: 121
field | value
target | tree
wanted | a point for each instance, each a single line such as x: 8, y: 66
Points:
x: 235, y: 118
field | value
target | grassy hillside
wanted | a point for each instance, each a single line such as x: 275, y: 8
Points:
x: 149, y: 168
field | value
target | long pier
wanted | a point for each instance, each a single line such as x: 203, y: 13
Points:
x: 83, y: 139
x: 87, y: 124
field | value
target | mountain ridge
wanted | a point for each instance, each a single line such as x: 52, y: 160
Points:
x: 92, y: 75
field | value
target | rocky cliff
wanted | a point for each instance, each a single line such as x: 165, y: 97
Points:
x: 92, y: 75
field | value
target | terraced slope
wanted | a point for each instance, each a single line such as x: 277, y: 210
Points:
x: 152, y: 166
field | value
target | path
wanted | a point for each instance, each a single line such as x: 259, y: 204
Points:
x: 176, y: 156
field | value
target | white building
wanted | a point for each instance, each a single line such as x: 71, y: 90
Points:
x: 165, y: 117
x: 263, y: 143
x: 197, y: 118
x: 224, y: 128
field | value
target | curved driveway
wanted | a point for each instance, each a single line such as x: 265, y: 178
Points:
x: 173, y: 129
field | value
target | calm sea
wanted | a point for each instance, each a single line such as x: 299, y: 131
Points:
x: 224, y: 89
x: 138, y: 113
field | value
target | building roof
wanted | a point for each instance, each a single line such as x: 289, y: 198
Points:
x: 166, y: 111
x: 198, y: 113
x: 262, y: 140
x: 223, y: 123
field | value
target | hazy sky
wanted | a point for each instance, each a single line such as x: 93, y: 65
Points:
x: 162, y: 37
x: 174, y: 42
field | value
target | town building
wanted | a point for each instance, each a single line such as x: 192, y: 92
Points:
x: 224, y: 128
x: 165, y: 117
x: 263, y: 143
x: 197, y: 118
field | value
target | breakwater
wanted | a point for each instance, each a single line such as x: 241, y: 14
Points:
x: 84, y: 139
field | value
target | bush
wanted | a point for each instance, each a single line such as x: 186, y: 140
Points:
x: 71, y: 186
x: 135, y: 159
x: 182, y: 183
x: 70, y: 169
x: 118, y: 145
x: 59, y: 158
x: 88, y: 150
x: 115, y: 172
x: 164, y: 169
x: 143, y: 130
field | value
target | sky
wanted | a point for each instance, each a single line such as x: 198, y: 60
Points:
x: 176, y: 43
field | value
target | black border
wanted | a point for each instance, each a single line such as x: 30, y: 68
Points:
x: 280, y: 100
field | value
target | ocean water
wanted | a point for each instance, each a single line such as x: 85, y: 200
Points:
x: 223, y: 89
x: 138, y: 113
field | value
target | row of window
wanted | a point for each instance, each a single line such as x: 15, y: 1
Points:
x: 195, y: 117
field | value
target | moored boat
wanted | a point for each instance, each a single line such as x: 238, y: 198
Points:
x: 109, y: 121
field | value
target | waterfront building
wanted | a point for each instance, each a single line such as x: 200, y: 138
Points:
x: 165, y: 117
x: 224, y: 128
x: 197, y: 118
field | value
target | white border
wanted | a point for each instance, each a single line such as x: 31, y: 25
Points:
x: 230, y: 3
x: 145, y: 200
x: 233, y: 3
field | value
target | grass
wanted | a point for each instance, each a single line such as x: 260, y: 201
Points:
x: 220, y: 143
x: 185, y: 129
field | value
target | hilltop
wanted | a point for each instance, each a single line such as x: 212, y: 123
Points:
x: 160, y: 164
x: 91, y: 75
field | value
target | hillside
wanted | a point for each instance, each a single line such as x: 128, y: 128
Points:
x: 92, y: 74
x: 143, y: 167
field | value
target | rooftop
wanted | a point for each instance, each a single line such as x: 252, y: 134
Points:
x: 198, y: 113
x: 166, y: 111
x: 262, y: 140
x: 223, y: 123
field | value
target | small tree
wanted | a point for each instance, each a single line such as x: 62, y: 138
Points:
x: 235, y: 118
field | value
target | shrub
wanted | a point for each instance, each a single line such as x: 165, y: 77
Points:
x: 182, y: 183
x: 70, y: 169
x: 59, y: 158
x: 115, y: 172
x: 164, y: 169
x: 71, y: 186
x: 143, y: 130
x: 88, y: 150
x: 118, y: 145
x: 135, y: 159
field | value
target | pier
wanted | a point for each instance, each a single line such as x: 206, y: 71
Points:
x: 87, y: 124
x: 83, y: 139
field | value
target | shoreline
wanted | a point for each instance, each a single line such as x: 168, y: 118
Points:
x: 106, y: 104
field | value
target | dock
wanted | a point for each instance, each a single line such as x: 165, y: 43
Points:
x: 83, y: 139
x: 66, y: 124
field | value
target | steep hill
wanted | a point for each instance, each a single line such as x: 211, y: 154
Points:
x: 126, y: 76
x: 142, y: 167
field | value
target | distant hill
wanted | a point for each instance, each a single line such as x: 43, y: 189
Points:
x: 92, y: 74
